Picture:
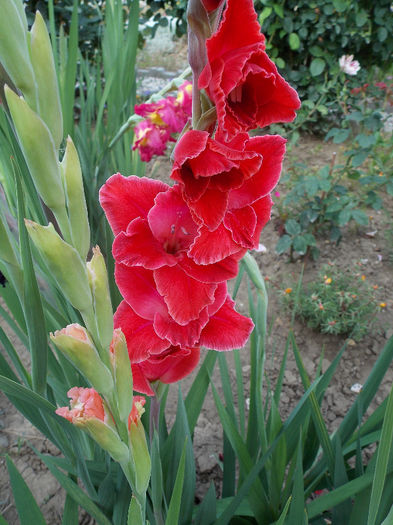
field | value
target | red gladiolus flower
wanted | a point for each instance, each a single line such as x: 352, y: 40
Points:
x: 241, y: 79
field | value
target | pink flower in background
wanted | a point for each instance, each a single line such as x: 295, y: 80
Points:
x: 164, y: 118
x: 348, y: 65
x: 150, y: 140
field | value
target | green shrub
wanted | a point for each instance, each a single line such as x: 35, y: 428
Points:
x: 338, y: 301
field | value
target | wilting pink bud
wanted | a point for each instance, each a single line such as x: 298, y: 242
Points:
x: 88, y: 411
x: 136, y: 411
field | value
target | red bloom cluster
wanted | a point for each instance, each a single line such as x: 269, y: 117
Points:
x: 176, y: 247
x: 162, y: 120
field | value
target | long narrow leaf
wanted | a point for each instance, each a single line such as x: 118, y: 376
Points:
x: 175, y: 503
x: 28, y: 510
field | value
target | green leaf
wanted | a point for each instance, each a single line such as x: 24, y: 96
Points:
x: 25, y: 503
x: 359, y: 158
x: 300, y: 245
x: 294, y: 41
x: 74, y: 491
x: 296, y: 510
x: 292, y: 227
x: 344, y: 216
x: 33, y: 310
x: 360, y: 217
x: 278, y: 9
x: 283, y: 244
x: 317, y: 66
x: 176, y: 499
x: 2, y: 521
x: 135, y: 516
x: 70, y: 512
x: 207, y: 509
x: 365, y: 141
x: 383, y: 454
x: 382, y: 34
x: 265, y: 13
x: 341, y: 136
x: 340, y: 5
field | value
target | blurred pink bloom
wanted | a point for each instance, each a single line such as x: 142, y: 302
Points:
x: 184, y: 101
x: 150, y: 139
x: 277, y: 194
x: 348, y: 65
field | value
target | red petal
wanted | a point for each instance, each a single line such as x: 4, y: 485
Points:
x: 190, y: 146
x: 219, y: 299
x: 140, y: 383
x: 172, y: 366
x: 184, y: 296
x: 227, y: 329
x: 138, y: 288
x: 187, y: 335
x: 242, y: 223
x: 272, y: 147
x: 210, y: 208
x: 138, y: 247
x: 125, y: 198
x: 142, y: 341
x: 210, y: 273
x: 212, y: 247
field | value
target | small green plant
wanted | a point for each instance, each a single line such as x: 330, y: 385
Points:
x: 337, y: 302
x: 317, y: 204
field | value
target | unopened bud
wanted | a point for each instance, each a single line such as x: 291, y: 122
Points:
x: 99, y: 285
x: 138, y: 446
x: 76, y: 202
x: 14, y: 51
x: 76, y: 344
x: 45, y: 75
x: 122, y: 374
x: 39, y: 151
x: 64, y: 263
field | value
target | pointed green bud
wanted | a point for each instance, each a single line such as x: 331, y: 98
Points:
x: 64, y: 263
x: 14, y: 50
x: 45, y: 75
x: 139, y: 450
x: 39, y: 151
x: 76, y: 344
x: 98, y: 281
x: 122, y: 374
x: 76, y: 202
x: 107, y: 438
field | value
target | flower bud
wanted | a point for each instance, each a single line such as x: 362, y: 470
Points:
x: 138, y: 445
x: 98, y: 281
x: 64, y: 263
x: 76, y: 344
x: 76, y: 203
x: 39, y: 151
x: 122, y: 374
x: 45, y: 75
x: 89, y: 412
x: 14, y: 51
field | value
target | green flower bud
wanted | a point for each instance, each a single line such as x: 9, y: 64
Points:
x: 98, y: 281
x: 64, y: 263
x: 141, y: 456
x: 107, y: 438
x: 39, y: 151
x: 45, y: 75
x: 122, y: 374
x: 76, y: 344
x: 14, y: 50
x: 76, y: 203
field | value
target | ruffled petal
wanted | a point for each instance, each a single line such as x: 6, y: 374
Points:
x: 212, y: 247
x: 184, y: 296
x: 210, y: 273
x: 138, y: 288
x: 187, y: 335
x: 125, y: 198
x: 138, y: 247
x: 142, y: 341
x: 227, y: 329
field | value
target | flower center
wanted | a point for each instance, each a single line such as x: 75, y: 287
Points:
x: 236, y: 94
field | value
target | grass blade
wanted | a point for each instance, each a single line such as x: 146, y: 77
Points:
x: 26, y: 505
x: 176, y: 499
